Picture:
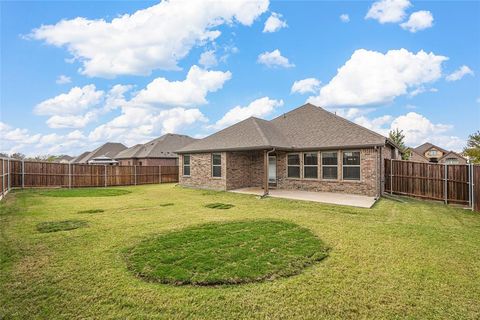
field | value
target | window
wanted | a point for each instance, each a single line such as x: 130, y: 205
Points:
x: 329, y: 165
x: 186, y: 165
x: 433, y: 152
x: 310, y: 165
x: 351, y: 165
x: 216, y: 165
x: 293, y: 166
x: 128, y: 162
x: 451, y: 161
x: 140, y: 163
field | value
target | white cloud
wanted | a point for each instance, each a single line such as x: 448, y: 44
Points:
x: 345, y: 18
x: 189, y: 92
x: 153, y: 38
x: 63, y: 79
x: 306, y: 85
x: 459, y: 73
x: 416, y: 127
x: 274, y: 59
x: 208, y: 59
x: 419, y: 20
x: 371, y: 77
x: 419, y: 90
x: 257, y: 108
x: 388, y: 11
x: 138, y: 125
x: 274, y: 23
x: 75, y: 101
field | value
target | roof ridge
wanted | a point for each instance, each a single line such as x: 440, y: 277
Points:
x: 262, y: 134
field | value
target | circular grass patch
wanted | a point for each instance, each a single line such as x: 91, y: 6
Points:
x: 226, y: 253
x: 54, y: 226
x: 85, y: 192
x: 219, y: 205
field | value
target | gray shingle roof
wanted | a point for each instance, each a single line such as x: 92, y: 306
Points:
x: 109, y: 149
x: 306, y: 127
x: 162, y: 147
x: 427, y: 145
x: 251, y: 133
x: 79, y: 157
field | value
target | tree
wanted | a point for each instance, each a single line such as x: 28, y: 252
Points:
x: 398, y: 138
x: 17, y: 155
x: 472, y: 150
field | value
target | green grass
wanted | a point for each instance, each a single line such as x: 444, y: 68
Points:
x: 64, y: 225
x: 219, y: 205
x: 227, y: 253
x: 91, y: 211
x: 85, y: 192
x: 413, y: 260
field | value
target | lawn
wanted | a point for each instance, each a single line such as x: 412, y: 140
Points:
x: 397, y: 260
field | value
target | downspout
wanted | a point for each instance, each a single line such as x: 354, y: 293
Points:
x: 378, y: 182
x: 267, y: 154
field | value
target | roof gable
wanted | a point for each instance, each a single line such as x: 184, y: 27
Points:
x: 427, y: 146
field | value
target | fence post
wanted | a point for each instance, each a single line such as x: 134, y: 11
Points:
x: 105, y: 178
x: 9, y: 182
x: 472, y: 184
x: 135, y: 174
x: 23, y: 174
x: 159, y: 174
x: 69, y: 176
x: 445, y: 185
x: 391, y: 176
x: 3, y: 177
x: 469, y: 185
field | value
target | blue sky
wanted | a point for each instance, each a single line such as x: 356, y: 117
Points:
x: 83, y: 79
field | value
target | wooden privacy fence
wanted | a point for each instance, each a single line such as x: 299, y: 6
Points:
x: 33, y: 174
x: 450, y: 183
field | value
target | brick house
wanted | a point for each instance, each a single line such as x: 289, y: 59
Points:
x: 428, y: 152
x: 158, y: 152
x: 307, y: 148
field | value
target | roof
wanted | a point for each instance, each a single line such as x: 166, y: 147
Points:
x: 162, y: 147
x: 450, y: 153
x: 251, y: 133
x: 109, y: 149
x: 306, y: 127
x: 426, y: 146
x: 79, y: 157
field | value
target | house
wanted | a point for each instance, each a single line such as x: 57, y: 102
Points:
x: 428, y: 152
x: 64, y: 159
x: 158, y: 152
x: 104, y: 154
x: 307, y: 148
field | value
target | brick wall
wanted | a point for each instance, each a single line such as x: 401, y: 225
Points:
x: 367, y: 185
x: 245, y: 169
x: 201, y: 172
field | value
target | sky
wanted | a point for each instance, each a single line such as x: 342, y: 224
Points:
x: 76, y: 74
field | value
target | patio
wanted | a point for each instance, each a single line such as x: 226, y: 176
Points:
x: 322, y: 197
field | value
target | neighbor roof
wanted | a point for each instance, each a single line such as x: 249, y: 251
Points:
x: 162, y: 147
x: 426, y: 146
x: 79, y: 157
x: 307, y: 127
x: 450, y: 153
x: 109, y: 149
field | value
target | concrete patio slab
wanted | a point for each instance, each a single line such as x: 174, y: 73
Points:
x: 323, y: 197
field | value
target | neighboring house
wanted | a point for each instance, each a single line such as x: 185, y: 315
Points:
x: 307, y: 148
x: 158, y: 152
x: 64, y: 159
x: 102, y: 154
x: 428, y: 152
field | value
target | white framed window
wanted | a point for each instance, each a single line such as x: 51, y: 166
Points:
x: 451, y: 161
x: 330, y: 165
x: 293, y: 165
x: 216, y: 165
x: 433, y: 152
x: 310, y: 165
x: 186, y: 165
x: 351, y: 165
